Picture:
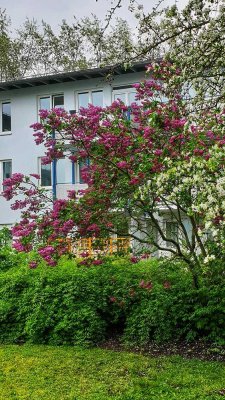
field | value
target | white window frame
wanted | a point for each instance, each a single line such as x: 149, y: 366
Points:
x: 50, y: 96
x: 1, y: 172
x: 77, y: 173
x: 39, y: 173
x: 124, y: 89
x: 89, y: 91
x: 2, y: 133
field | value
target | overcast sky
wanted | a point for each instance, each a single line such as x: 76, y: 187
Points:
x: 53, y: 11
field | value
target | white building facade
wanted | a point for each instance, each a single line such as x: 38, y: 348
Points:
x: 20, y: 102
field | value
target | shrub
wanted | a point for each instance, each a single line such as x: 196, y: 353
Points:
x: 9, y: 258
x: 74, y: 304
x: 5, y: 237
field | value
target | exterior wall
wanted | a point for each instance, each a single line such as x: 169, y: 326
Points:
x: 19, y: 145
x: 144, y: 225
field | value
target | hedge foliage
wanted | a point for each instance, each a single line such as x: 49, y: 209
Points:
x: 73, y: 304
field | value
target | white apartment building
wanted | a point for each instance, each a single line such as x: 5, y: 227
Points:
x: 20, y: 102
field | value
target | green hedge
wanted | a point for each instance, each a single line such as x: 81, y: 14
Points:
x: 72, y: 304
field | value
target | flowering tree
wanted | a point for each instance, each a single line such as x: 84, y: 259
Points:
x: 148, y: 163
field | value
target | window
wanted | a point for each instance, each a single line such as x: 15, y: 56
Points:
x: 51, y: 101
x: 172, y: 231
x: 6, y: 116
x: 151, y: 231
x: 126, y: 94
x: 83, y: 100
x: 64, y: 171
x: 5, y: 171
x: 82, y: 164
x: 77, y: 170
x: 58, y: 101
x: 45, y: 174
x: 97, y: 98
x: 44, y: 103
x: 94, y: 97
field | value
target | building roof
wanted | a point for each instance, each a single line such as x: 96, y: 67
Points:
x: 91, y: 73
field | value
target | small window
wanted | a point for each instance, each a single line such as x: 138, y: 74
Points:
x: 172, y: 231
x: 127, y: 94
x: 83, y: 100
x: 151, y: 231
x: 94, y: 97
x: 132, y: 97
x: 97, y: 98
x: 82, y: 164
x: 64, y: 171
x: 48, y: 102
x: 58, y: 101
x: 44, y: 103
x: 6, y: 117
x: 120, y: 96
x: 45, y: 174
x: 5, y: 171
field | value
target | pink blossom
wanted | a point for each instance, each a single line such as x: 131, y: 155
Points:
x: 122, y: 164
x: 146, y: 285
x: 71, y: 194
x: 97, y: 262
x: 93, y: 227
x: 198, y: 152
x: 73, y: 158
x: 84, y: 254
x: 134, y: 259
x: 113, y: 299
x: 14, y: 180
x: 158, y: 152
x: 84, y: 262
x: 33, y: 264
x: 134, y: 181
x: 166, y: 285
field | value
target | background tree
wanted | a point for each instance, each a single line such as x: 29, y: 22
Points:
x: 88, y: 42
x: 9, y: 67
x: 193, y: 38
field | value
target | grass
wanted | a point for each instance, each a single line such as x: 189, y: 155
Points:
x: 59, y: 373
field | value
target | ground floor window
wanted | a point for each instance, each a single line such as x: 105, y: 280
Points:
x: 45, y: 174
x: 5, y: 171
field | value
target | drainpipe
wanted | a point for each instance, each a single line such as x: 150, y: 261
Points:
x: 54, y: 173
x: 128, y: 113
x: 73, y: 112
x: 73, y: 172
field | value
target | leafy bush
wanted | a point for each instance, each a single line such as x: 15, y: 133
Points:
x: 10, y: 258
x: 74, y: 304
x: 5, y: 237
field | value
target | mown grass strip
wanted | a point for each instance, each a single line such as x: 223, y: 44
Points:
x: 60, y: 373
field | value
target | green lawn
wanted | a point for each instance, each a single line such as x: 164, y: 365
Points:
x: 60, y: 373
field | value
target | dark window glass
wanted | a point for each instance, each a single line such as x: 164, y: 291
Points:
x: 58, y: 101
x: 46, y: 179
x: 6, y: 117
x: 6, y: 170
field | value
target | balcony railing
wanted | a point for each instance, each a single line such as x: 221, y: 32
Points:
x: 95, y: 246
